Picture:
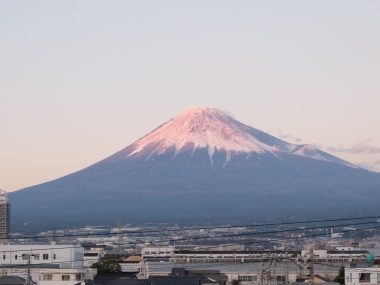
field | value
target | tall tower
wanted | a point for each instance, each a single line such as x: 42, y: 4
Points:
x: 5, y: 212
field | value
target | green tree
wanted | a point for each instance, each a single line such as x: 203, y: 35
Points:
x: 235, y: 282
x: 107, y: 265
x: 340, y: 278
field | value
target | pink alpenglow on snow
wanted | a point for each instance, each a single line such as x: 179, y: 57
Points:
x: 201, y: 127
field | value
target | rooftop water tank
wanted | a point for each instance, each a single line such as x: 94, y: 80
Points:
x: 370, y: 259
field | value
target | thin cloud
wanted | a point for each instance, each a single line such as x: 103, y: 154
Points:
x: 373, y: 166
x: 287, y: 136
x: 227, y: 112
x: 359, y: 148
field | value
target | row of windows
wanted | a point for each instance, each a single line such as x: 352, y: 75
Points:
x: 212, y: 256
x: 64, y: 277
x: 36, y: 256
x: 247, y: 278
x: 254, y: 278
x: 363, y: 278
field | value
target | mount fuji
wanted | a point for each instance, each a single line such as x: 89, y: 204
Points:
x: 201, y: 165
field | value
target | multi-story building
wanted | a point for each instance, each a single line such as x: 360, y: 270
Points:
x: 247, y: 273
x: 5, y: 211
x: 66, y: 256
x: 346, y: 255
x: 49, y: 264
x: 362, y: 276
x: 157, y: 251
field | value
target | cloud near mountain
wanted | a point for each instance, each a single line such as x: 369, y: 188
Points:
x: 360, y: 148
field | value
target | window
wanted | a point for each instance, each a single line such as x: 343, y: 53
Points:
x: 48, y: 277
x: 78, y: 277
x: 245, y: 278
x: 45, y: 256
x: 15, y: 256
x: 350, y: 277
x: 365, y: 278
x: 4, y: 273
x: 54, y: 256
x: 24, y: 257
x: 280, y: 278
x: 378, y: 278
x: 65, y: 277
x: 37, y: 256
x: 3, y: 256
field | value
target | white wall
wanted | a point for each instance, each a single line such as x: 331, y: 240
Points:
x: 157, y: 251
x: 67, y: 256
x: 352, y: 275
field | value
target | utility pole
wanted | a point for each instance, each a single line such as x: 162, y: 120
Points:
x: 54, y: 237
x: 287, y: 233
x: 311, y: 266
x: 119, y: 237
x: 261, y: 270
x: 28, y: 270
x: 286, y: 268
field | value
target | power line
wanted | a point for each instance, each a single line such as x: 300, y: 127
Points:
x: 282, y: 239
x: 268, y: 232
x: 235, y: 235
x: 206, y: 265
x: 243, y: 234
x: 203, y: 228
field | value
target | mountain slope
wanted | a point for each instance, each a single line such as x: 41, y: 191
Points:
x: 198, y: 128
x: 202, y: 159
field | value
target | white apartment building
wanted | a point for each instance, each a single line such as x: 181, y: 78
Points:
x: 347, y: 255
x: 66, y: 256
x: 65, y: 276
x: 157, y: 251
x: 91, y: 257
x: 248, y: 273
x: 359, y: 276
x: 50, y: 264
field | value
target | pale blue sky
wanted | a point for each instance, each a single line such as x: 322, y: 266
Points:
x: 80, y: 80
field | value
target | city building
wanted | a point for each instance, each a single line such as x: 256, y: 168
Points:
x: 49, y: 264
x: 5, y: 211
x: 181, y: 280
x: 131, y: 264
x: 66, y: 256
x: 91, y: 257
x: 157, y: 251
x: 347, y: 255
x: 245, y: 272
x: 359, y: 276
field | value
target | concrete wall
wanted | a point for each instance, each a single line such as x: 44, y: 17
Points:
x: 67, y: 256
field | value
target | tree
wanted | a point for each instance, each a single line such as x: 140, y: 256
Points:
x: 107, y: 265
x: 235, y: 282
x: 340, y: 278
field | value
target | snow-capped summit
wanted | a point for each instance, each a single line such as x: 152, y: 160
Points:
x: 201, y: 164
x: 213, y: 129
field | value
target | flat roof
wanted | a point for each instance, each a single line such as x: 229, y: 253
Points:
x: 232, y: 252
